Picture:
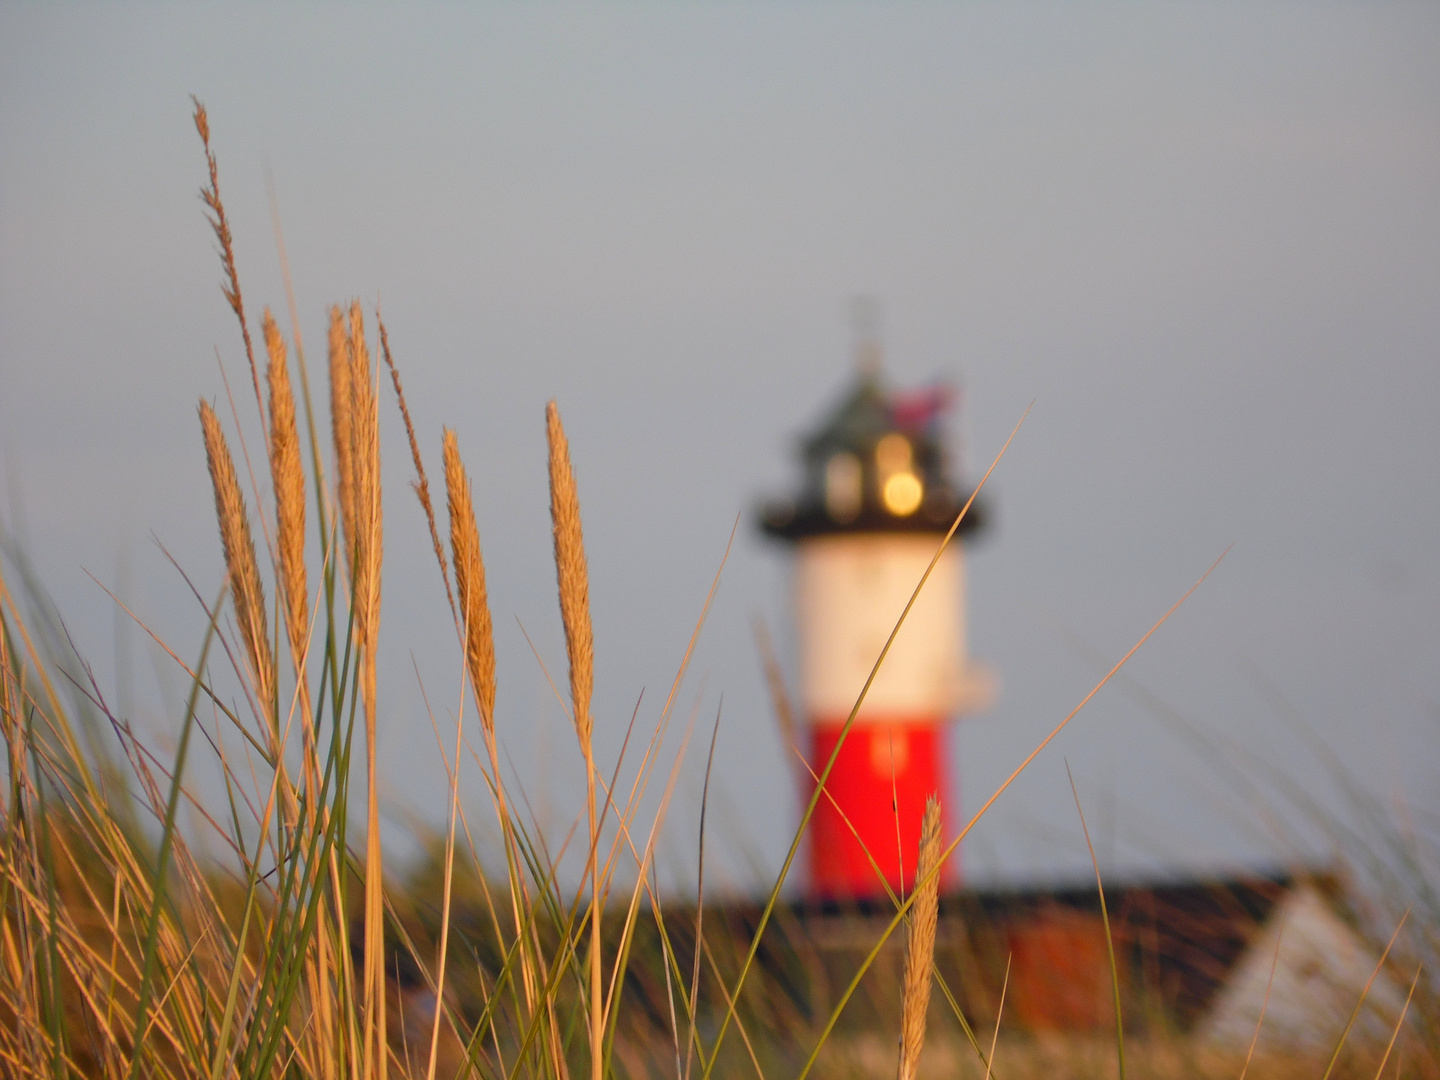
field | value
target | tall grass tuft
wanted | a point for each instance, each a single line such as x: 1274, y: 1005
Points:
x: 264, y: 938
x: 574, y: 581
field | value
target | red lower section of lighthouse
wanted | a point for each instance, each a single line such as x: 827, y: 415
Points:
x: 869, y: 815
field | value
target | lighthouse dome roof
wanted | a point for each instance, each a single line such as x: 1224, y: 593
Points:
x: 859, y: 420
x: 877, y: 462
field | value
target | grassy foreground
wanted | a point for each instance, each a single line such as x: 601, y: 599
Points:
x: 268, y: 941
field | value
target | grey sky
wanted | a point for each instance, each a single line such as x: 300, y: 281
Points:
x: 1205, y: 240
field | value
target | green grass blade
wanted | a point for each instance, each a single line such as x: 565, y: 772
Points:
x: 167, y: 839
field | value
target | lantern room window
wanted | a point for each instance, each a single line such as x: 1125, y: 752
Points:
x: 843, y: 490
x: 893, y: 454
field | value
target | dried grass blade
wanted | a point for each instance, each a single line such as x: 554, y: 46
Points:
x: 999, y: 1012
x: 1105, y: 920
x: 210, y: 196
x: 1365, y: 993
x: 422, y: 482
x: 1265, y: 1003
x: 700, y: 892
x: 1400, y: 1023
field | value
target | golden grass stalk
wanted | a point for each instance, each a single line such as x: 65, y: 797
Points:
x: 341, y: 421
x: 287, y: 472
x: 365, y: 466
x: 479, y: 642
x: 367, y: 545
x: 573, y: 575
x: 479, y: 645
x: 288, y: 477
x: 421, y: 483
x: 1000, y: 1012
x: 1105, y: 920
x: 470, y: 583
x: 245, y: 588
x: 210, y: 196
x: 920, y: 944
x: 574, y: 582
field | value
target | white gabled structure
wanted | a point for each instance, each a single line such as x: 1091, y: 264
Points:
x: 1321, y: 966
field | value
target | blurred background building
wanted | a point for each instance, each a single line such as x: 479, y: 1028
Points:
x: 879, y: 493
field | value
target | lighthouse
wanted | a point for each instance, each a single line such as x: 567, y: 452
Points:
x: 877, y: 497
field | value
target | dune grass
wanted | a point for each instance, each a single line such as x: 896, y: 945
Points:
x: 268, y: 939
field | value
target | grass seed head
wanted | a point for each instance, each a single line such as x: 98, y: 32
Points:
x: 421, y: 483
x: 245, y: 587
x: 920, y: 944
x: 365, y: 462
x: 573, y: 576
x: 287, y: 472
x: 220, y: 224
x: 342, y: 423
x: 470, y: 582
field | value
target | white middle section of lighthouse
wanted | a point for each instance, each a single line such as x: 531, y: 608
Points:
x: 850, y: 591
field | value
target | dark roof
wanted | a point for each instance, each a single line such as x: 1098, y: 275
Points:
x: 859, y: 421
x: 867, y: 413
x: 1176, y: 942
